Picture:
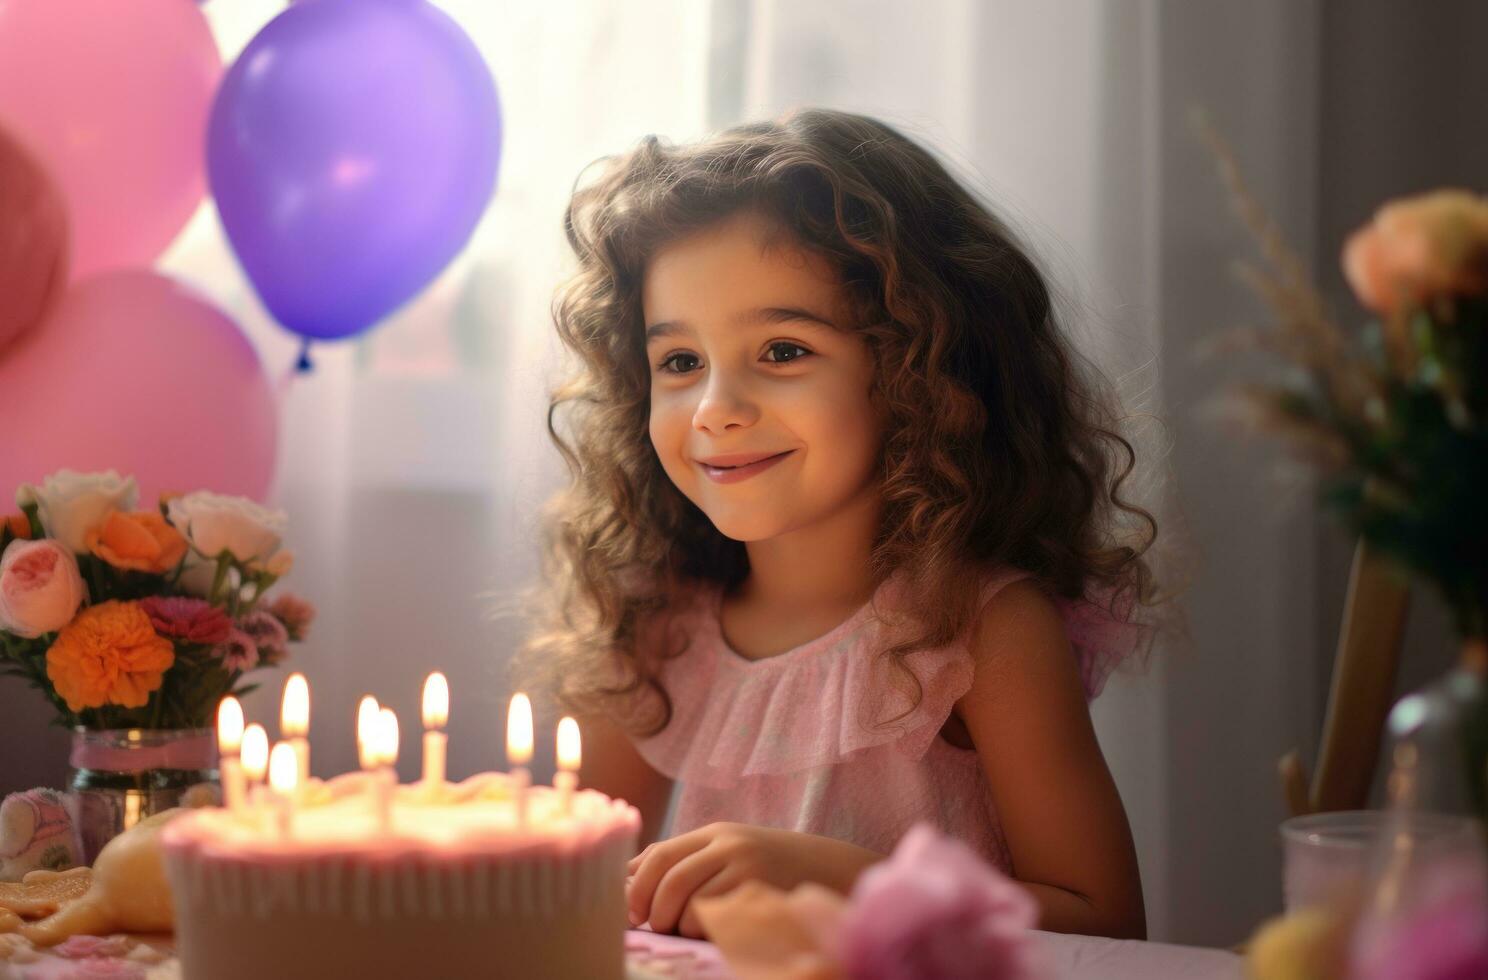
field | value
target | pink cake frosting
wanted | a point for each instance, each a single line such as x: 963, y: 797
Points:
x: 457, y: 885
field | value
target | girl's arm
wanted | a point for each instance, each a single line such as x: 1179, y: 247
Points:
x: 613, y: 766
x: 1061, y: 813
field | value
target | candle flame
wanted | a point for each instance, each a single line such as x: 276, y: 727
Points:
x: 294, y: 711
x: 519, y: 730
x: 367, y: 724
x: 569, y: 752
x: 436, y: 701
x: 284, y: 769
x: 229, y: 725
x: 255, y: 752
x: 387, y: 738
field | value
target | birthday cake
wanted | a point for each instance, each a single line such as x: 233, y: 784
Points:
x: 459, y: 883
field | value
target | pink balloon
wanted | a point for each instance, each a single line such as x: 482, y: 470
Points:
x: 135, y: 373
x: 113, y: 97
x: 33, y: 241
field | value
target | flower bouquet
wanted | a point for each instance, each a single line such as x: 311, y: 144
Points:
x: 141, y: 619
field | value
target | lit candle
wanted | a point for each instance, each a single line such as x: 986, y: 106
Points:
x: 229, y: 742
x: 519, y: 750
x: 387, y: 758
x: 294, y: 720
x: 284, y: 779
x: 255, y: 756
x: 367, y: 722
x: 436, y: 715
x: 569, y: 756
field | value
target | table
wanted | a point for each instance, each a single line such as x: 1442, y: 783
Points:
x: 653, y: 957
x: 1072, y: 958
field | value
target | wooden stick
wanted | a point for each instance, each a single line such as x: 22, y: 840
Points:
x: 1363, y: 684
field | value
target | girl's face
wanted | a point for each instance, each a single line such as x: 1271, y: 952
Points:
x: 761, y: 410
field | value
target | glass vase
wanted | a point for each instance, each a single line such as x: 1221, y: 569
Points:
x: 120, y: 776
x: 1427, y: 907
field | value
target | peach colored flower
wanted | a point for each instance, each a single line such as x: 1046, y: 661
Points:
x: 1419, y: 248
x: 109, y: 654
x: 40, y: 587
x: 141, y: 540
x: 295, y: 613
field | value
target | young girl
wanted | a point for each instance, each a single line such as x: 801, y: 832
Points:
x: 844, y: 549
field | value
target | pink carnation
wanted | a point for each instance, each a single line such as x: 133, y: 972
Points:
x: 268, y: 635
x: 935, y: 909
x: 191, y: 620
x: 295, y: 613
x: 237, y: 652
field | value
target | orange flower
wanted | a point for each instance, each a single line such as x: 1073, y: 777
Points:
x: 141, y: 541
x: 108, y: 654
x: 19, y: 525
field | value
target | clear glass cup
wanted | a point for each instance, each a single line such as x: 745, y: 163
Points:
x: 1329, y: 857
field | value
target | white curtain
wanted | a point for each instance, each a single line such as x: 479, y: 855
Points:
x: 414, y: 460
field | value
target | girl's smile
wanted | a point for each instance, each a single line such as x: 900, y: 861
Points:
x: 732, y: 469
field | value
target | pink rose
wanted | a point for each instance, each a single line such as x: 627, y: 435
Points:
x: 191, y: 620
x: 935, y: 909
x: 40, y: 587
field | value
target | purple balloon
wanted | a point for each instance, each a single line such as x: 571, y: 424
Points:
x: 352, y: 148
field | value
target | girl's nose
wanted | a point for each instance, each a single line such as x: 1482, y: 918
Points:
x: 725, y: 404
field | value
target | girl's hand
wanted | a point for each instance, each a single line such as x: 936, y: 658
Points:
x: 714, y: 860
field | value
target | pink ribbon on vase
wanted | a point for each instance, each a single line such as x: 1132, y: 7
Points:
x: 187, y: 752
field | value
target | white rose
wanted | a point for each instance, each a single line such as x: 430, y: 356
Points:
x: 71, y: 504
x: 280, y: 564
x: 215, y: 523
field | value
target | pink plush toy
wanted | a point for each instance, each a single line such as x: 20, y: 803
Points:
x: 36, y: 833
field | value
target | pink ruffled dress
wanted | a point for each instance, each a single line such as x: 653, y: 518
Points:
x: 783, y: 742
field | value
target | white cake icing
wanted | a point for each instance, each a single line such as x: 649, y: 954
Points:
x: 456, y: 873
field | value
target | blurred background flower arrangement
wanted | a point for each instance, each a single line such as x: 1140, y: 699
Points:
x: 1395, y: 416
x: 126, y: 618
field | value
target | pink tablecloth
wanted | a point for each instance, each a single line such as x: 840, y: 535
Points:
x: 1073, y: 958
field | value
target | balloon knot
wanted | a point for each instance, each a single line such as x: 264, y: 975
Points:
x: 303, y: 365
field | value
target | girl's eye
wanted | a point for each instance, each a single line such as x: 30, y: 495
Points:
x: 785, y: 351
x: 673, y: 358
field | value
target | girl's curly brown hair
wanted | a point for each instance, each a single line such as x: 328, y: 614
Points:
x: 1000, y: 445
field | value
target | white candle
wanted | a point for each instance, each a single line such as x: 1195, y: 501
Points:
x: 368, y: 714
x: 229, y: 742
x: 255, y: 757
x: 570, y: 755
x: 519, y: 750
x: 387, y: 758
x: 284, y: 778
x: 436, y: 716
x: 294, y: 720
